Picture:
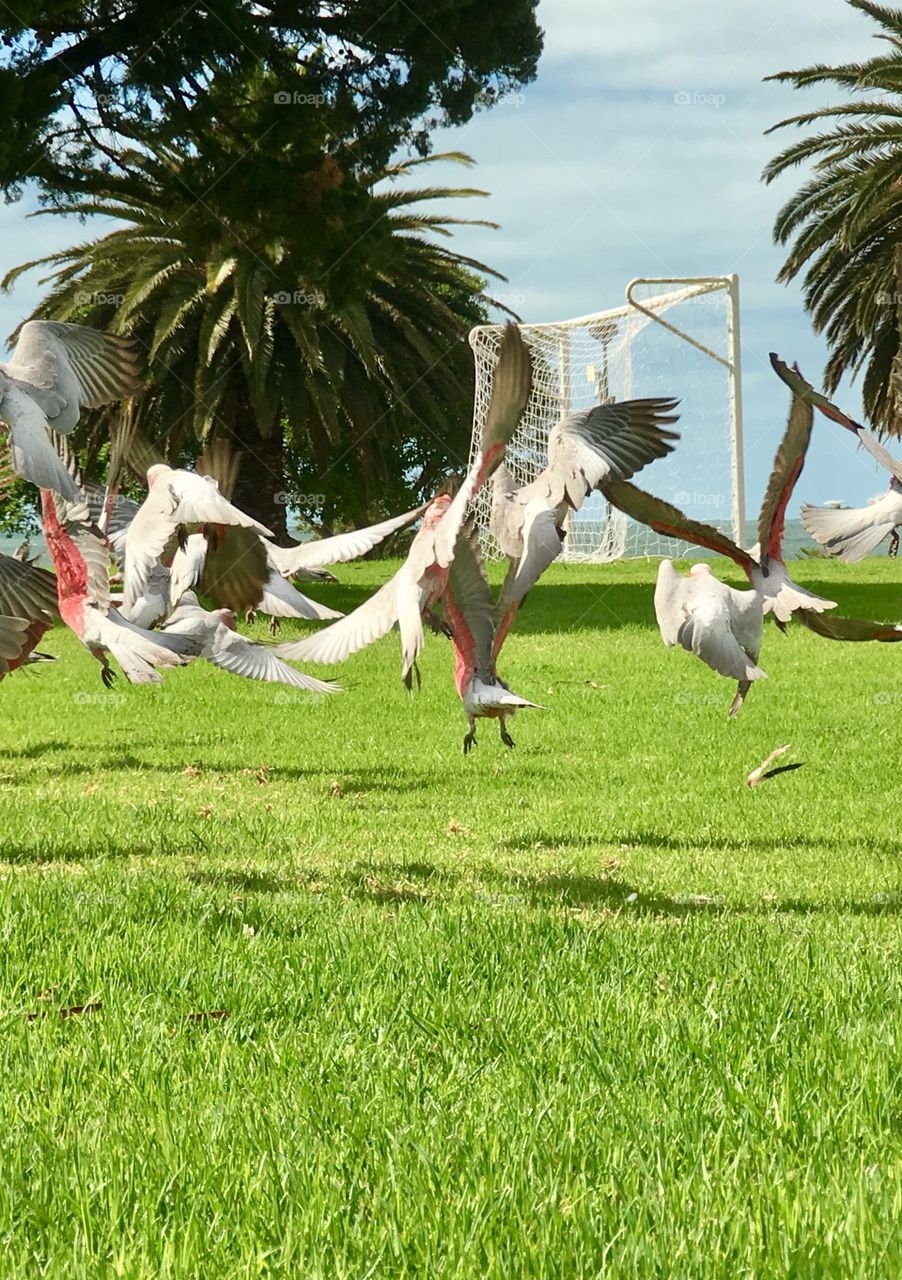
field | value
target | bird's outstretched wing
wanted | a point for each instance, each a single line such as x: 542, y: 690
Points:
x: 242, y: 657
x: 338, y: 549
x: 673, y: 523
x: 25, y: 590
x: 788, y: 464
x: 68, y: 367
x: 368, y: 623
x: 802, y: 388
x: 833, y: 628
x: 609, y: 442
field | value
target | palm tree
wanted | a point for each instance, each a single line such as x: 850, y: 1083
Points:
x: 844, y: 225
x: 320, y: 325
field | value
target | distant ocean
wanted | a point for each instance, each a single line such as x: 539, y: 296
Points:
x: 794, y: 539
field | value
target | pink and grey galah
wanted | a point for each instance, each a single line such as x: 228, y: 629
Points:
x: 81, y: 557
x: 421, y: 581
x: 478, y: 628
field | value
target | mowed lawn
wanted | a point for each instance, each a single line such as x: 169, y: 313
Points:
x: 586, y: 1008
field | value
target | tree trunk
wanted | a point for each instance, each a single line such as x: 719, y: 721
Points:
x: 261, y: 488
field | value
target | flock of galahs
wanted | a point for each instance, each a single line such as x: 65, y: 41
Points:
x: 187, y: 541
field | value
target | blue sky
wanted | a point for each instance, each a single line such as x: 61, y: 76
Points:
x: 602, y: 170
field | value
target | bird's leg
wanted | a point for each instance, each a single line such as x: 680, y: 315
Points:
x: 275, y: 627
x: 894, y: 544
x: 438, y: 626
x: 250, y: 617
x: 107, y: 674
x: 505, y: 736
x: 470, y: 739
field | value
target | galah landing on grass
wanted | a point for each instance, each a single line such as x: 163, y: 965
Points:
x: 212, y: 635
x: 421, y: 580
x: 852, y: 533
x: 57, y: 370
x: 717, y: 623
x: 81, y: 556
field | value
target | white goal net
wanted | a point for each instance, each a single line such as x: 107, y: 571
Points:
x: 672, y: 337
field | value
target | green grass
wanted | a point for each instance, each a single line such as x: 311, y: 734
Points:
x: 587, y: 1008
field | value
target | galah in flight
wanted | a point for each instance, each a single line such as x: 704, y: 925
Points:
x: 178, y: 503
x: 81, y: 557
x: 57, y: 370
x: 478, y: 628
x: 850, y: 534
x: 212, y: 635
x: 421, y: 580
x: 719, y: 624
x: 585, y: 449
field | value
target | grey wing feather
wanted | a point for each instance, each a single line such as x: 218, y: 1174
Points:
x: 611, y: 441
x: 469, y: 590
x: 667, y: 519
x: 25, y: 590
x: 511, y: 386
x: 68, y: 367
x: 234, y: 653
x: 787, y: 468
x: 832, y: 627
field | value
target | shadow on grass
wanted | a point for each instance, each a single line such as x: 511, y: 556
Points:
x: 546, y: 840
x: 361, y: 780
x: 608, y: 606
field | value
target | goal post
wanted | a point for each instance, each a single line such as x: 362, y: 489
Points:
x: 675, y: 336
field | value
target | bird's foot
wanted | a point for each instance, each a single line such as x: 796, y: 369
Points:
x: 107, y: 675
x: 507, y: 739
x: 275, y: 627
x: 469, y: 741
x: 893, y: 544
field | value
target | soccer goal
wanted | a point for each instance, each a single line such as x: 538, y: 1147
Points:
x: 676, y: 337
